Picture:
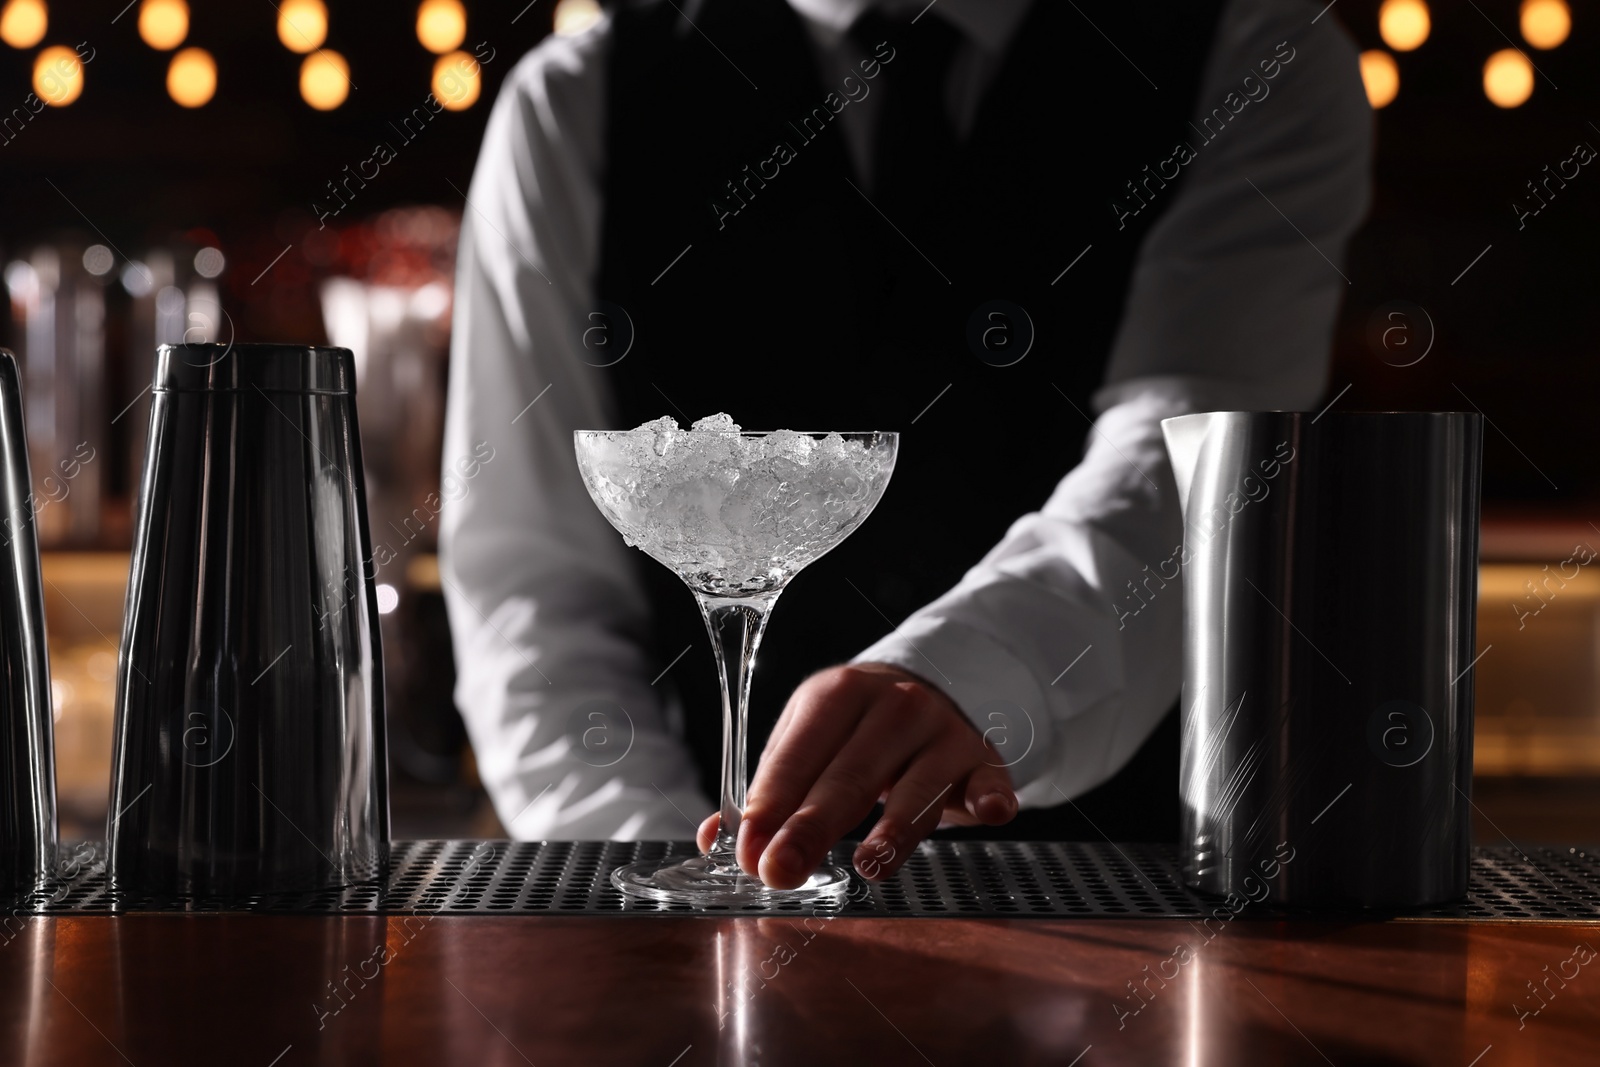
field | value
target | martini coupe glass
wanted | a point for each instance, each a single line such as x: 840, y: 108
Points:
x: 736, y: 515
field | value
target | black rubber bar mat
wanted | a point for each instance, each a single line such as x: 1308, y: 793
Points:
x: 976, y: 879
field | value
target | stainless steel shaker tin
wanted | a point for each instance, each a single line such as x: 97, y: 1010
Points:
x: 1330, y: 569
x: 249, y: 752
x: 27, y: 751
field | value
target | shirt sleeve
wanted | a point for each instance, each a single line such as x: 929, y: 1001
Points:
x: 1064, y: 644
x: 547, y: 614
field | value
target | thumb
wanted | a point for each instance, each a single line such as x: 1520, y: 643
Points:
x: 706, y: 836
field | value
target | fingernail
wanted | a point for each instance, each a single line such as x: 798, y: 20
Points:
x: 867, y: 864
x: 874, y: 858
x: 996, y: 804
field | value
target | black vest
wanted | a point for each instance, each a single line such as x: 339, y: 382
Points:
x: 760, y: 281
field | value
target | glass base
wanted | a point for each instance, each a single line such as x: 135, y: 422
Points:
x: 701, y: 881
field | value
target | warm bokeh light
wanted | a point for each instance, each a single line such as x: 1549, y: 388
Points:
x: 1404, y: 24
x: 575, y: 16
x: 23, y: 22
x: 441, y: 25
x: 1545, y: 23
x: 1508, y: 78
x: 58, y: 76
x: 192, y: 77
x: 1381, y: 76
x: 302, y: 24
x: 163, y: 23
x: 324, y: 80
x: 456, y: 81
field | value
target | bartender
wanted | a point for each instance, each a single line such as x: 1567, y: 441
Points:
x: 1020, y: 233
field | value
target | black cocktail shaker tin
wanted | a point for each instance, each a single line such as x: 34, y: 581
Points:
x: 249, y: 752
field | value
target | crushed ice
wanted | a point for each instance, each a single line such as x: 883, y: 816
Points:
x: 737, y: 513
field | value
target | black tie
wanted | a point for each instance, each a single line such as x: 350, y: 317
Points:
x: 914, y: 141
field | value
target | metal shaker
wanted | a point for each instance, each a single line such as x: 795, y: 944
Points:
x: 27, y: 749
x: 249, y: 752
x: 1330, y: 576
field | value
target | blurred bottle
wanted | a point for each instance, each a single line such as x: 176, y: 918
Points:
x: 59, y: 314
x: 391, y: 308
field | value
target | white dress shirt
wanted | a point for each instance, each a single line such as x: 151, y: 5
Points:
x: 1232, y: 303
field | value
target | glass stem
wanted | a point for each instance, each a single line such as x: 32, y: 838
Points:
x: 736, y: 626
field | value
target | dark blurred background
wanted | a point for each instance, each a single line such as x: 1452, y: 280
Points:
x: 305, y: 189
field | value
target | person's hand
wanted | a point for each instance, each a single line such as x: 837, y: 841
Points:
x: 849, y: 737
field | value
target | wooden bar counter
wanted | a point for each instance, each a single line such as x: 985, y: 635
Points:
x: 285, y: 990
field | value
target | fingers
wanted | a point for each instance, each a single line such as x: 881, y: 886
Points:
x: 955, y: 783
x: 849, y: 737
x: 989, y: 797
x: 917, y: 801
x: 899, y: 723
x: 819, y: 718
